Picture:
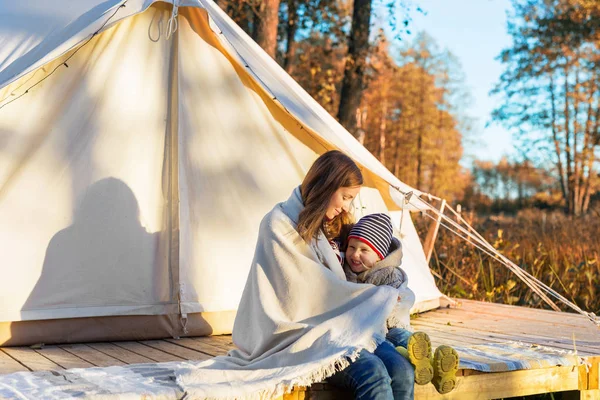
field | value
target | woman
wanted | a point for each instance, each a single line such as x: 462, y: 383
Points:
x: 299, y: 320
x: 334, y: 180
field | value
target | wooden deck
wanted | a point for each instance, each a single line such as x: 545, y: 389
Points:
x: 468, y: 323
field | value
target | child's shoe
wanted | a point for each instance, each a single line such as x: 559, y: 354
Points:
x: 445, y: 366
x: 418, y: 352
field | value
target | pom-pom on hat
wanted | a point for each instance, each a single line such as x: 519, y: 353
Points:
x: 376, y: 231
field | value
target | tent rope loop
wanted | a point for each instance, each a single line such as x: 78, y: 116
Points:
x: 172, y: 25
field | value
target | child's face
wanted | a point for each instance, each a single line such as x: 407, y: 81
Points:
x: 360, y: 256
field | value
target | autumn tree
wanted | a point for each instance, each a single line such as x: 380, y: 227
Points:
x: 409, y: 118
x: 313, y: 46
x: 259, y: 18
x: 300, y: 20
x: 353, y: 83
x: 509, y: 185
x: 550, y: 90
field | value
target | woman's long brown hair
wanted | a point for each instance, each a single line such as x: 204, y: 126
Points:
x: 331, y: 171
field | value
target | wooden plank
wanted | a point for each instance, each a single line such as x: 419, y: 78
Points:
x: 222, y: 343
x: 564, y: 344
x: 31, y: 359
x: 482, y: 338
x: 205, y: 348
x: 8, y: 365
x: 63, y: 358
x: 124, y: 355
x: 148, y: 352
x: 515, y: 314
x: 222, y: 339
x: 434, y: 329
x: 479, y: 386
x: 484, y: 306
x: 590, y: 394
x: 92, y: 356
x: 176, y: 350
x: 532, y: 317
x: 531, y: 314
x: 506, y: 384
x: 502, y: 325
x: 567, y: 344
x: 594, y: 373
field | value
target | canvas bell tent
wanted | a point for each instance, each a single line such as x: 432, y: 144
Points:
x: 141, y: 143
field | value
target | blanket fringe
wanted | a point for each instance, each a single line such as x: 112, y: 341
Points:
x: 288, y: 386
x: 395, y: 321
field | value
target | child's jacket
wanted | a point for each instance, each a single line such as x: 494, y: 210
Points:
x: 388, y: 272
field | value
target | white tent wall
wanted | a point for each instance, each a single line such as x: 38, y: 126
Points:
x: 35, y: 32
x: 81, y: 183
x: 235, y: 163
x: 132, y: 183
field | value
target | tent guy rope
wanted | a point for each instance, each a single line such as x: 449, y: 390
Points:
x: 471, y: 236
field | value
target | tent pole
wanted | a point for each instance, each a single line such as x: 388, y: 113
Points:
x: 172, y: 143
x: 432, y: 232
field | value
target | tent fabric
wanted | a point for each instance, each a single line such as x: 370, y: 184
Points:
x: 27, y: 45
x: 34, y: 32
x: 82, y: 199
x: 114, y: 328
x: 133, y: 181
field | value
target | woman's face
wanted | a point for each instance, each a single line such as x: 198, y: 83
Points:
x: 341, y: 201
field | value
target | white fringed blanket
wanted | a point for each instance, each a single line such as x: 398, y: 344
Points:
x: 299, y: 320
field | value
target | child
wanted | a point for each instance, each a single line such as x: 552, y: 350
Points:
x: 374, y: 256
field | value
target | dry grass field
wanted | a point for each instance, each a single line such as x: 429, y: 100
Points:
x: 562, y: 252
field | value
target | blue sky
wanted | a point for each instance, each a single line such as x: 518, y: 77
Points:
x: 475, y: 32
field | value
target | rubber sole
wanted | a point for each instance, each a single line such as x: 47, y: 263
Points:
x: 419, y: 355
x: 445, y: 367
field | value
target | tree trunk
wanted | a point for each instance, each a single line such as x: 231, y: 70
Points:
x: 577, y: 160
x: 266, y: 22
x: 382, y: 128
x: 240, y: 13
x: 587, y: 153
x: 557, y: 148
x: 594, y: 141
x: 358, y: 47
x: 421, y: 130
x: 290, y: 44
x: 568, y: 148
x: 401, y: 125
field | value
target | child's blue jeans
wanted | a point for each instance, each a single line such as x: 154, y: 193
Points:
x: 381, y: 375
x: 398, y: 337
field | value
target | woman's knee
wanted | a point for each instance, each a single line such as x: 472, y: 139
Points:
x: 373, y: 370
x: 399, y: 368
x: 368, y: 377
x: 401, y: 372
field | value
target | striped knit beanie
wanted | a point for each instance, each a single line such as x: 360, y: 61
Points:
x: 376, y: 231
